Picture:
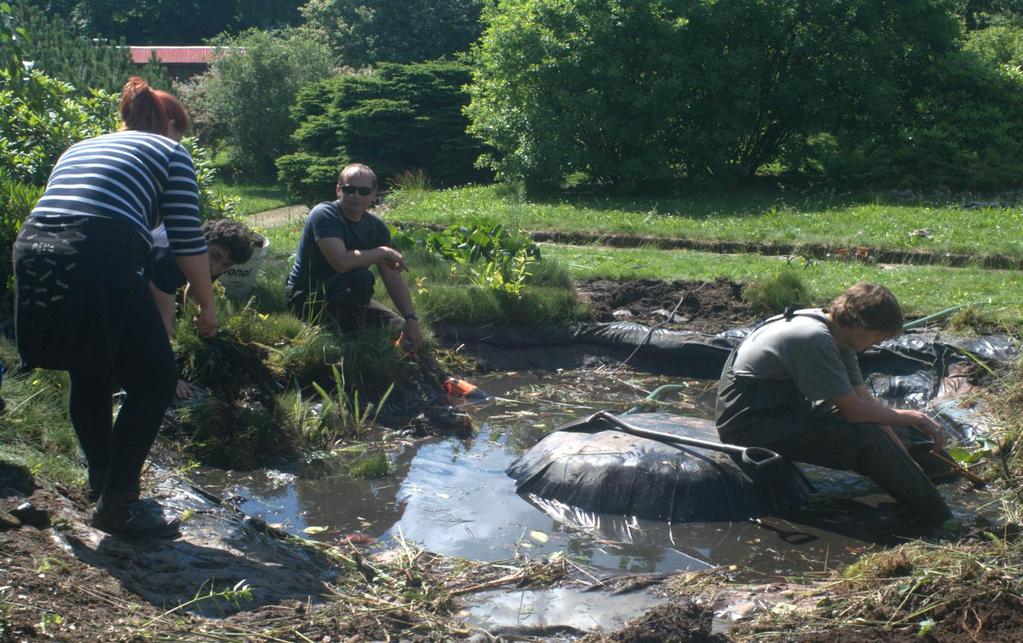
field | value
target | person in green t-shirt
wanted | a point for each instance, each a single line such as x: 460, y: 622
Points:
x: 794, y: 386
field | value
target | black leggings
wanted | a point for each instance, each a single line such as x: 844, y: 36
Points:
x: 143, y: 364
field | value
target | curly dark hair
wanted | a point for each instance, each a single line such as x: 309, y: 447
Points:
x: 234, y: 236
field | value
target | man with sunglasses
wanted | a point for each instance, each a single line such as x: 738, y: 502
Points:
x: 341, y: 240
x: 794, y: 386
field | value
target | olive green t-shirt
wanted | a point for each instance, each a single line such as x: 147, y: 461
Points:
x: 783, y: 366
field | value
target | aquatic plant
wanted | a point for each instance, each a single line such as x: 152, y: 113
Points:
x: 371, y: 466
x: 342, y: 416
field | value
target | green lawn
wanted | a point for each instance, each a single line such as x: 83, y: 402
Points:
x: 256, y: 197
x: 920, y: 289
x: 736, y: 216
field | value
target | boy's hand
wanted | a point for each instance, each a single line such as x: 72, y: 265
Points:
x: 184, y: 390
x: 927, y: 426
x: 206, y: 322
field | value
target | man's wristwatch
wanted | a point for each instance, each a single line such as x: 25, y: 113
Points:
x: 411, y: 317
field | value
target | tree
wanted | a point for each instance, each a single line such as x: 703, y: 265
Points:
x: 626, y: 91
x: 398, y: 118
x: 364, y: 32
x: 964, y: 132
x: 249, y: 90
x: 68, y: 55
x: 170, y: 22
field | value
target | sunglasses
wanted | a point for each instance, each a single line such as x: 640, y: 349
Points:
x: 351, y: 189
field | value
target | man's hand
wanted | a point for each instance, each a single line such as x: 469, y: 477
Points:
x: 206, y: 322
x: 413, y: 335
x: 923, y: 422
x: 184, y: 390
x: 393, y: 259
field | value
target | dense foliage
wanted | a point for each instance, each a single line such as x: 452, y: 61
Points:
x: 247, y: 94
x: 40, y: 117
x: 964, y: 132
x: 60, y: 51
x: 172, y: 22
x: 627, y: 91
x: 364, y: 32
x: 398, y: 118
x: 485, y: 254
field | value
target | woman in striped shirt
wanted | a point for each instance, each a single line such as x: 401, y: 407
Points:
x: 82, y: 304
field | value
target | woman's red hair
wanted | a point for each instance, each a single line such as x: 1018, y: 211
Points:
x: 145, y: 109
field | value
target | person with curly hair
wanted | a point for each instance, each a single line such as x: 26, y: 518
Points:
x: 229, y: 242
x: 794, y: 386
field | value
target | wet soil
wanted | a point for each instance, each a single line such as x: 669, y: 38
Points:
x: 704, y: 306
x: 680, y: 623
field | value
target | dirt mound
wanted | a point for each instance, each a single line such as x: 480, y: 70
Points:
x: 706, y: 306
x: 686, y: 623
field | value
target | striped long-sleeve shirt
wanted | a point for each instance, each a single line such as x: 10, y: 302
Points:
x: 141, y: 178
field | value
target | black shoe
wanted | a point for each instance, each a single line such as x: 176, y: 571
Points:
x: 121, y: 512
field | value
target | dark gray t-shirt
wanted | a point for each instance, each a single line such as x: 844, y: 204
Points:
x: 783, y: 366
x: 326, y: 220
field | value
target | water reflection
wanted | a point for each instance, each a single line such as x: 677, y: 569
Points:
x: 454, y: 498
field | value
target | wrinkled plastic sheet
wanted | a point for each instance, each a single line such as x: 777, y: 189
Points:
x: 593, y: 466
x: 907, y: 371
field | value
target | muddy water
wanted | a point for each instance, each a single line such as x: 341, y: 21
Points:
x: 454, y: 498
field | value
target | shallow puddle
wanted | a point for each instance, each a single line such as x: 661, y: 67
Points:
x: 454, y: 498
x: 551, y: 612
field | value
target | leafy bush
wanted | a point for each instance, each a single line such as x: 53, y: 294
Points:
x: 964, y: 132
x: 487, y: 254
x: 40, y: 117
x: 364, y: 32
x: 213, y: 204
x: 399, y: 118
x: 625, y: 92
x: 16, y: 202
x: 250, y: 88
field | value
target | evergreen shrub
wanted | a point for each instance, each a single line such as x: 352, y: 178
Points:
x: 397, y: 119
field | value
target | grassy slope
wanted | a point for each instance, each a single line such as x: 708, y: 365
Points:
x: 256, y: 197
x: 737, y: 216
x: 921, y: 289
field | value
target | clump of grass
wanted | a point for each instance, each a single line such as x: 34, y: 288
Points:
x: 942, y: 588
x: 324, y: 418
x: 972, y: 320
x: 407, y: 186
x: 374, y: 465
x: 772, y: 294
x: 35, y: 428
x: 237, y: 434
x: 534, y: 306
x: 268, y: 291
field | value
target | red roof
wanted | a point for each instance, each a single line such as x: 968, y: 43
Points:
x: 141, y: 54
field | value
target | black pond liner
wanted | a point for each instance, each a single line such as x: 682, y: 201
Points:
x: 589, y: 465
x: 594, y: 466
